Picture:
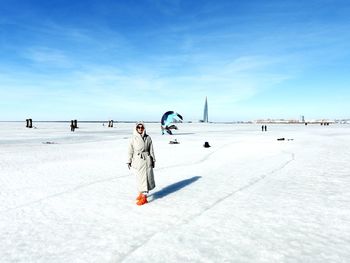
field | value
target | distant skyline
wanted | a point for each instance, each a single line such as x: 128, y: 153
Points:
x: 134, y: 60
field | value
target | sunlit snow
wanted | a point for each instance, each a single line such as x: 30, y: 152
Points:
x: 69, y: 197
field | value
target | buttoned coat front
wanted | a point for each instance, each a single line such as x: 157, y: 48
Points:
x: 142, y: 159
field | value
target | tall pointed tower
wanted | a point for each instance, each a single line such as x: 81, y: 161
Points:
x: 205, y: 114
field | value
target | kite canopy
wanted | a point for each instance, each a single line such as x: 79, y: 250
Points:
x: 169, y: 117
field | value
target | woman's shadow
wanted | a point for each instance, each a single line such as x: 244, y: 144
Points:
x: 174, y: 187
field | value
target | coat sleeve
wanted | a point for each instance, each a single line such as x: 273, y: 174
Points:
x: 151, y: 150
x: 130, y: 151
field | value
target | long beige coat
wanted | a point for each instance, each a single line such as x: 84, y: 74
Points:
x: 141, y: 156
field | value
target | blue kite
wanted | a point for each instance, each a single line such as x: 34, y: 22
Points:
x: 167, y: 119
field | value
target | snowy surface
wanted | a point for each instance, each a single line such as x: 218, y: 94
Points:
x: 69, y: 197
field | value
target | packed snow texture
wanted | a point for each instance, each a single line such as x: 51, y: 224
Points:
x: 69, y: 196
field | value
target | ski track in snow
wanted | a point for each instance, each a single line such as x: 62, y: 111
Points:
x: 72, y: 190
x: 109, y: 179
x: 251, y: 185
x: 206, y: 157
x: 182, y: 221
x: 192, y: 217
x: 148, y: 238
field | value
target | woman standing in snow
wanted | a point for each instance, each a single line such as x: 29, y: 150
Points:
x: 141, y: 158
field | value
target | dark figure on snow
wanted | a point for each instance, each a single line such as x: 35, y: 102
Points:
x: 72, y: 127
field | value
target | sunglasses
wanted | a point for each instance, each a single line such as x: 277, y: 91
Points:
x: 140, y: 127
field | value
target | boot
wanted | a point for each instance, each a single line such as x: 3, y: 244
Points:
x: 139, y: 197
x: 143, y: 200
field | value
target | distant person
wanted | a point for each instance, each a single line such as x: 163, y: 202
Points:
x: 72, y: 127
x: 262, y: 128
x: 141, y: 158
x: 265, y: 128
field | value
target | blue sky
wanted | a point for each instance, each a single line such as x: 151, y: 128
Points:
x: 135, y: 59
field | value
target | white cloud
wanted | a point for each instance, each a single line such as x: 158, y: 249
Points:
x: 48, y: 56
x: 109, y: 89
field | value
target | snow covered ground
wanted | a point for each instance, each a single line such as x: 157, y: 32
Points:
x: 69, y: 197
